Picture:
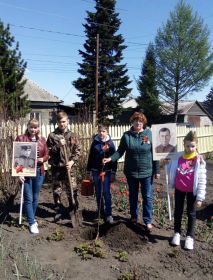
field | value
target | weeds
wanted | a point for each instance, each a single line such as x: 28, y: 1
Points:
x: 15, y: 262
x: 14, y: 222
x: 93, y: 249
x: 122, y: 256
x: 126, y: 276
x: 58, y: 235
x: 205, y: 231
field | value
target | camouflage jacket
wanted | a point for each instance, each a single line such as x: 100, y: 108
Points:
x: 56, y: 153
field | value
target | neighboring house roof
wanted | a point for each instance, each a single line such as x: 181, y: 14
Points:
x: 209, y: 109
x: 37, y: 94
x: 183, y: 107
x: 131, y: 103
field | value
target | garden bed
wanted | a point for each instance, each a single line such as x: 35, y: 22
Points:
x: 125, y: 251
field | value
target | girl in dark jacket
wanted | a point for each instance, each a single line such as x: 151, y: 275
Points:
x: 32, y: 185
x: 101, y: 147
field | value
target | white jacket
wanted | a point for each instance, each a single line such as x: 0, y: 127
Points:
x: 199, y: 186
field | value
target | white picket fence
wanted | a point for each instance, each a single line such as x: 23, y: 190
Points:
x: 86, y: 131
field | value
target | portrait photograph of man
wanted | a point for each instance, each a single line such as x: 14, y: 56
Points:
x: 24, y: 159
x: 164, y: 136
x: 164, y: 141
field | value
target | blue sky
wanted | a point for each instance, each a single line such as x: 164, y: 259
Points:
x: 52, y: 56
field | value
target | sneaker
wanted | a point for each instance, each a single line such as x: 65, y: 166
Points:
x: 149, y: 226
x: 34, y: 228
x: 109, y: 219
x: 176, y: 239
x: 189, y: 243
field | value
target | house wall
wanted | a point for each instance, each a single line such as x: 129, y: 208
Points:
x: 194, y: 120
x: 205, y: 121
x: 197, y: 116
x: 45, y: 116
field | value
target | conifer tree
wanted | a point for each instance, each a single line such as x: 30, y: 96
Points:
x: 146, y: 84
x: 13, y: 104
x: 209, y: 99
x: 183, y: 55
x: 113, y: 79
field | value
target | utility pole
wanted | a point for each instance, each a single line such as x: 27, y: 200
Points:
x: 97, y: 76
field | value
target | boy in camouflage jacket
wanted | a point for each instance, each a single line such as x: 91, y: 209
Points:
x: 62, y: 136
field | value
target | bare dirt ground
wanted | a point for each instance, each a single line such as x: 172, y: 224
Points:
x: 51, y: 254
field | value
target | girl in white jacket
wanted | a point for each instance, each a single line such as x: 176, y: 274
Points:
x: 188, y: 175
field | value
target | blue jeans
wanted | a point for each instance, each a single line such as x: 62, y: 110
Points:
x: 146, y: 190
x: 106, y: 194
x: 32, y: 186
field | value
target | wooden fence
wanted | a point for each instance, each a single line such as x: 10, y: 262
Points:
x: 86, y: 131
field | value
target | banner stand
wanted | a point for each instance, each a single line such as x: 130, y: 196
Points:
x: 21, y: 203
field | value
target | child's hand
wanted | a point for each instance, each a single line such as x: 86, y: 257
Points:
x: 198, y: 203
x: 69, y: 165
x: 40, y: 160
x: 157, y: 176
x: 21, y: 179
x: 61, y: 142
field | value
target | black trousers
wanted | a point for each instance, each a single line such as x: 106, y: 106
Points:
x: 191, y: 211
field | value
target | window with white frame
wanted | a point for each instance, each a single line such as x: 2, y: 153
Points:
x: 35, y: 115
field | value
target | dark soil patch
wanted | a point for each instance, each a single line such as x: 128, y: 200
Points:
x: 125, y: 236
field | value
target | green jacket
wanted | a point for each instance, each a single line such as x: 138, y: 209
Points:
x: 138, y: 161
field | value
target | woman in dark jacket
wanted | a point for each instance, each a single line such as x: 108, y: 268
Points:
x: 32, y: 185
x: 139, y: 166
x: 101, y: 147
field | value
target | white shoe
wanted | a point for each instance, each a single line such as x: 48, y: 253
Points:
x: 176, y: 239
x: 109, y: 219
x: 34, y: 228
x: 189, y: 243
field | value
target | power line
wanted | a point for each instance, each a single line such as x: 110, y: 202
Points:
x: 33, y: 10
x: 49, y: 31
x: 71, y: 34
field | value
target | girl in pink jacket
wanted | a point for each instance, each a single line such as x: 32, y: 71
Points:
x: 188, y: 175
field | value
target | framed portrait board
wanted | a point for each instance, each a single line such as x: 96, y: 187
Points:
x: 164, y: 141
x: 24, y: 159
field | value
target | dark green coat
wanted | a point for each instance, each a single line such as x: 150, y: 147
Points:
x: 138, y: 161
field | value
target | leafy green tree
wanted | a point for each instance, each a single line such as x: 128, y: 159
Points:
x: 148, y: 99
x: 13, y: 104
x: 183, y: 55
x: 113, y: 79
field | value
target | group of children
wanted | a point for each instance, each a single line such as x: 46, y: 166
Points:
x: 187, y: 174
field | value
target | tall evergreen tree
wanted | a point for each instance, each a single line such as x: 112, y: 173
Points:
x: 146, y: 84
x: 209, y: 99
x: 183, y: 55
x: 13, y: 104
x: 113, y: 79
